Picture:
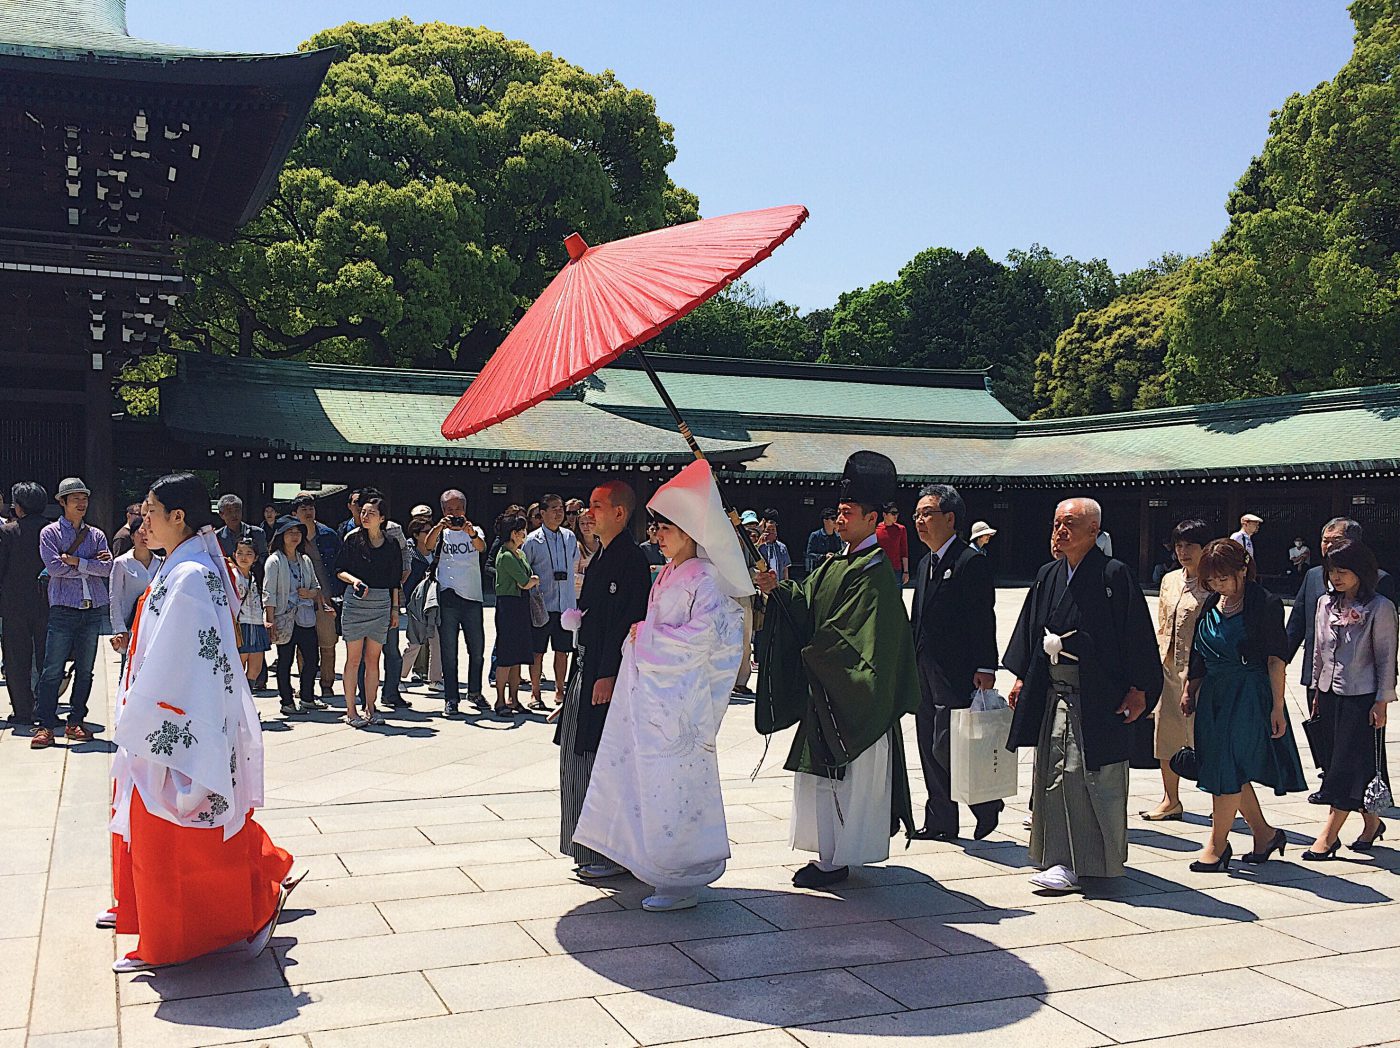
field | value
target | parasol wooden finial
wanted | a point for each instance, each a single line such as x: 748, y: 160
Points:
x: 575, y: 245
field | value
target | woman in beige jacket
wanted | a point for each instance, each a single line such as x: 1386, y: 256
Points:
x: 1178, y: 604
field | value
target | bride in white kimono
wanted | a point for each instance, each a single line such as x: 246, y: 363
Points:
x: 654, y: 804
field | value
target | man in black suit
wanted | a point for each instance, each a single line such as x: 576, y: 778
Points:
x: 955, y: 642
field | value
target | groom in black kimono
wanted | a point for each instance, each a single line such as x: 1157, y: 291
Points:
x: 614, y: 597
x: 1087, y: 666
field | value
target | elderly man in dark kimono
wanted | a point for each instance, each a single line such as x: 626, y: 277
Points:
x: 837, y: 660
x: 1085, y: 658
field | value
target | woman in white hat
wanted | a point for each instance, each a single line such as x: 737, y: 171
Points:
x: 982, y: 533
x: 654, y: 804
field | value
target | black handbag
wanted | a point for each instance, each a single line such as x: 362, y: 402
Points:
x: 1185, y: 764
x: 1319, y: 734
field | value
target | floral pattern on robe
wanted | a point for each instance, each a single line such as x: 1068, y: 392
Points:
x: 188, y: 736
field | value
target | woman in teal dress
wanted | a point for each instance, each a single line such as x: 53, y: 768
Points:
x: 1238, y: 665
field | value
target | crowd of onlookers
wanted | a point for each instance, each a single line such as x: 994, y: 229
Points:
x: 402, y: 599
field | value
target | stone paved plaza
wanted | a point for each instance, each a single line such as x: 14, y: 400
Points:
x: 438, y: 912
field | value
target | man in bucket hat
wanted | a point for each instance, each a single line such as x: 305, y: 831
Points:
x: 78, y: 563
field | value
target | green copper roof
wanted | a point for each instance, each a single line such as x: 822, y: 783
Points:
x: 803, y: 429
x: 790, y: 391
x: 222, y: 402
x: 80, y: 29
x: 1338, y: 431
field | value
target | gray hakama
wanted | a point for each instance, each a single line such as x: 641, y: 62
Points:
x: 1081, y: 816
x: 575, y: 770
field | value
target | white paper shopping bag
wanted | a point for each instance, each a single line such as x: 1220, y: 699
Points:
x: 981, y: 767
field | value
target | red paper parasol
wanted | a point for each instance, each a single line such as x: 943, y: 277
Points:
x: 611, y: 298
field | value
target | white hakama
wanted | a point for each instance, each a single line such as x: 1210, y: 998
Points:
x: 654, y: 804
x: 860, y: 832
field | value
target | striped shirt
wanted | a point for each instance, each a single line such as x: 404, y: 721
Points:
x: 69, y: 587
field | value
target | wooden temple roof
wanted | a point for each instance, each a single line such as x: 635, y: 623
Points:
x: 107, y: 135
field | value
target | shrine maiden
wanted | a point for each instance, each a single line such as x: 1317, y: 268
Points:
x: 192, y: 872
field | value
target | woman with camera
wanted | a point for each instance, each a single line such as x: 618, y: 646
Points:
x: 1235, y: 689
x: 1353, y: 681
x: 371, y: 566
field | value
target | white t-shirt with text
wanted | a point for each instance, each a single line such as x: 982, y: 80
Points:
x: 459, y: 563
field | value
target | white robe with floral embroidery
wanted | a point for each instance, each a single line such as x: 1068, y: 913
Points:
x: 654, y: 803
x: 187, y: 733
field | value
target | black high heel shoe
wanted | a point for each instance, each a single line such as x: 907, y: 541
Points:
x: 1361, y: 844
x: 1256, y: 858
x: 1327, y: 856
x: 1221, y: 865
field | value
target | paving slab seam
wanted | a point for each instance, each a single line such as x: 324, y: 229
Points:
x: 1261, y: 970
x: 1076, y: 1019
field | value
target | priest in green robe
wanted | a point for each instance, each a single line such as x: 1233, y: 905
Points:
x: 837, y: 661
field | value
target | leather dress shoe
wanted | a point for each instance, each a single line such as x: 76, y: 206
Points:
x: 813, y: 876
x: 986, y: 823
x: 928, y: 834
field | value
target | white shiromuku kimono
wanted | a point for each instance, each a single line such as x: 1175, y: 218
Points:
x: 654, y: 804
x: 187, y: 732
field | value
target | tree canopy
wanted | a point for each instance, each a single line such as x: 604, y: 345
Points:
x: 947, y: 309
x: 424, y: 208
x: 1112, y: 358
x: 426, y: 203
x: 1302, y: 291
x: 741, y: 321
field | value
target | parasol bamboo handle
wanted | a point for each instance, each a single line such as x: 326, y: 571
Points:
x: 759, y: 563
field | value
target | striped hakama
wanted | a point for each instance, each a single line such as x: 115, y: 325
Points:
x: 1080, y: 816
x: 575, y: 771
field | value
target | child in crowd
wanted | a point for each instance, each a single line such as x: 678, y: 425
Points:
x: 253, y: 640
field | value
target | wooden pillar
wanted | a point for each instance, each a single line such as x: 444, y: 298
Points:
x: 99, y: 469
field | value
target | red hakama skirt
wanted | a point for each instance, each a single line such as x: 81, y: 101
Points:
x: 188, y: 892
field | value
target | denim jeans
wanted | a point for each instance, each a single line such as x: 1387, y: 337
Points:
x: 72, y: 634
x: 457, y: 613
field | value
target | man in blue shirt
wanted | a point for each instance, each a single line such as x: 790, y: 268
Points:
x: 823, y: 542
x: 774, y: 552
x: 78, y: 563
x: 552, y: 551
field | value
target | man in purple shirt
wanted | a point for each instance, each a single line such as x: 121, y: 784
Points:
x: 78, y: 563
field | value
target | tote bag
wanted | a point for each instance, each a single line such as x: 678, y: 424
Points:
x: 981, y: 768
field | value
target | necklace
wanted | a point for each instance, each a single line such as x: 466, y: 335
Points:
x: 1229, y: 607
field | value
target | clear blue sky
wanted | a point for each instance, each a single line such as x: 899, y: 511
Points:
x: 1098, y: 129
